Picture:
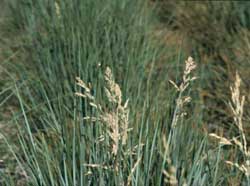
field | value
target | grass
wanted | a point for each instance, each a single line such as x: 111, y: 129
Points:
x: 96, y: 96
x: 216, y: 41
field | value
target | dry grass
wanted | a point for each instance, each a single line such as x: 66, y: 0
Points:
x: 237, y: 107
x: 117, y: 118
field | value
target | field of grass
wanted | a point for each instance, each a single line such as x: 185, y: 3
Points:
x: 113, y: 92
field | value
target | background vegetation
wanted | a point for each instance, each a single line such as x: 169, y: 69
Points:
x: 46, y: 136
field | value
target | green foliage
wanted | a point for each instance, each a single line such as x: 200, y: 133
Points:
x: 63, y: 40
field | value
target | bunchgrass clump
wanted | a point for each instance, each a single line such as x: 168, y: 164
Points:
x: 84, y: 131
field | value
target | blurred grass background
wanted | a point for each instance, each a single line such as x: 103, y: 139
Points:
x: 218, y: 32
x: 45, y: 44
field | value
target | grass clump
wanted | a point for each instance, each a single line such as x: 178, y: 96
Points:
x: 99, y: 147
x: 84, y: 131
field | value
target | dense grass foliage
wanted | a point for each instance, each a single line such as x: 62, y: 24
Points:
x: 99, y: 97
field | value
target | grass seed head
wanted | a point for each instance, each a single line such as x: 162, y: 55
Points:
x: 116, y: 118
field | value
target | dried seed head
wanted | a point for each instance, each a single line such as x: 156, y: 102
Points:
x: 222, y: 140
x: 236, y: 105
x: 181, y: 100
x: 117, y: 117
x: 190, y: 65
x: 112, y: 89
x: 57, y: 10
x: 82, y: 84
